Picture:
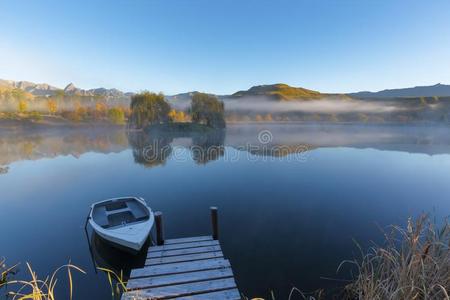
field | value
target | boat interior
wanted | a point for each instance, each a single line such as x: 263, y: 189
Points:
x: 119, y: 212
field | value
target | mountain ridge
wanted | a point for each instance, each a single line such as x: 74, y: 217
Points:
x: 439, y: 90
x: 46, y: 90
x: 278, y: 91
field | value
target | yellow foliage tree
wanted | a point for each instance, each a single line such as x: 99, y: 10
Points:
x: 177, y: 116
x: 258, y: 118
x: 52, y: 106
x: 100, y: 110
x: 23, y: 106
x: 180, y: 116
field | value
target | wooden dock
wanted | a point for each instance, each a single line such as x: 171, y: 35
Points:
x: 184, y: 268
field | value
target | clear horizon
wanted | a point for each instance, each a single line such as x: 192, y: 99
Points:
x: 176, y: 47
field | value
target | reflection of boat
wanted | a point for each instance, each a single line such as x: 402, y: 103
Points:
x: 125, y: 222
x: 111, y: 258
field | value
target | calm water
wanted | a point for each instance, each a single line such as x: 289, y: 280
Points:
x: 291, y: 199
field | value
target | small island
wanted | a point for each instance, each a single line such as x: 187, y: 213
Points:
x: 150, y: 112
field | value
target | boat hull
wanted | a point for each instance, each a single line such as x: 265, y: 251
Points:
x: 123, y: 246
x: 130, y: 237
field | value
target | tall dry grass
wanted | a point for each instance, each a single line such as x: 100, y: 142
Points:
x: 413, y: 263
x: 40, y: 289
x: 5, y: 272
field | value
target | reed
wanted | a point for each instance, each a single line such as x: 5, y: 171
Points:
x: 5, y: 271
x: 41, y: 289
x: 118, y: 287
x: 413, y: 263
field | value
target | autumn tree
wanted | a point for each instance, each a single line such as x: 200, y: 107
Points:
x: 207, y: 109
x: 100, y: 110
x: 22, y: 106
x: 52, y: 106
x: 148, y: 108
x: 177, y: 116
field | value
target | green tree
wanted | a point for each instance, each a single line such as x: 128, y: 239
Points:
x: 116, y: 115
x: 148, y: 108
x: 207, y: 109
x: 19, y: 95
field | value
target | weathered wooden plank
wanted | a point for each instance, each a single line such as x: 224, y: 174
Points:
x: 183, y: 251
x: 181, y: 258
x: 151, y: 282
x: 183, y: 245
x: 181, y: 290
x: 232, y: 294
x: 188, y: 240
x: 180, y: 267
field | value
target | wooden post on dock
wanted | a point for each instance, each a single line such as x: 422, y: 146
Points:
x: 159, y: 228
x: 214, y: 223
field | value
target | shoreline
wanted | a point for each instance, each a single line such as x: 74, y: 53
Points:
x: 50, y: 122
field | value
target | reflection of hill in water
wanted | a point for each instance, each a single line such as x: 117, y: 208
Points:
x: 412, y: 139
x: 154, y: 149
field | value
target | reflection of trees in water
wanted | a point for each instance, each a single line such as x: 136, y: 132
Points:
x: 4, y: 169
x: 24, y: 145
x: 208, y: 147
x: 153, y: 149
x: 150, y: 149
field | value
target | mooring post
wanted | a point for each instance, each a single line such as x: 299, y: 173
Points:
x: 159, y: 228
x: 214, y: 223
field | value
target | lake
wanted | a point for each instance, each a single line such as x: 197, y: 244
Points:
x: 291, y: 198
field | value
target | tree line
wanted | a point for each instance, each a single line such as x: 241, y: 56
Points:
x: 146, y: 108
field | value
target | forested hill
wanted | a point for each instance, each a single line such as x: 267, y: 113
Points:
x: 278, y: 91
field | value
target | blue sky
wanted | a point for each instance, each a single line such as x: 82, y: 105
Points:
x: 224, y: 46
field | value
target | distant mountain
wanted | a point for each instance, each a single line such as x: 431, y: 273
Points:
x: 278, y: 91
x: 36, y: 89
x: 43, y: 89
x: 180, y: 97
x: 72, y: 90
x: 180, y: 101
x: 418, y: 91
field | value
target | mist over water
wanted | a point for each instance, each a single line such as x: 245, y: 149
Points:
x: 324, y: 105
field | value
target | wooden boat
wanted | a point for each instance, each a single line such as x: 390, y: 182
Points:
x: 125, y: 222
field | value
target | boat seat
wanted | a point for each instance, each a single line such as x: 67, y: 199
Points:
x: 100, y: 216
x: 115, y: 206
x: 137, y: 211
x: 113, y: 214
